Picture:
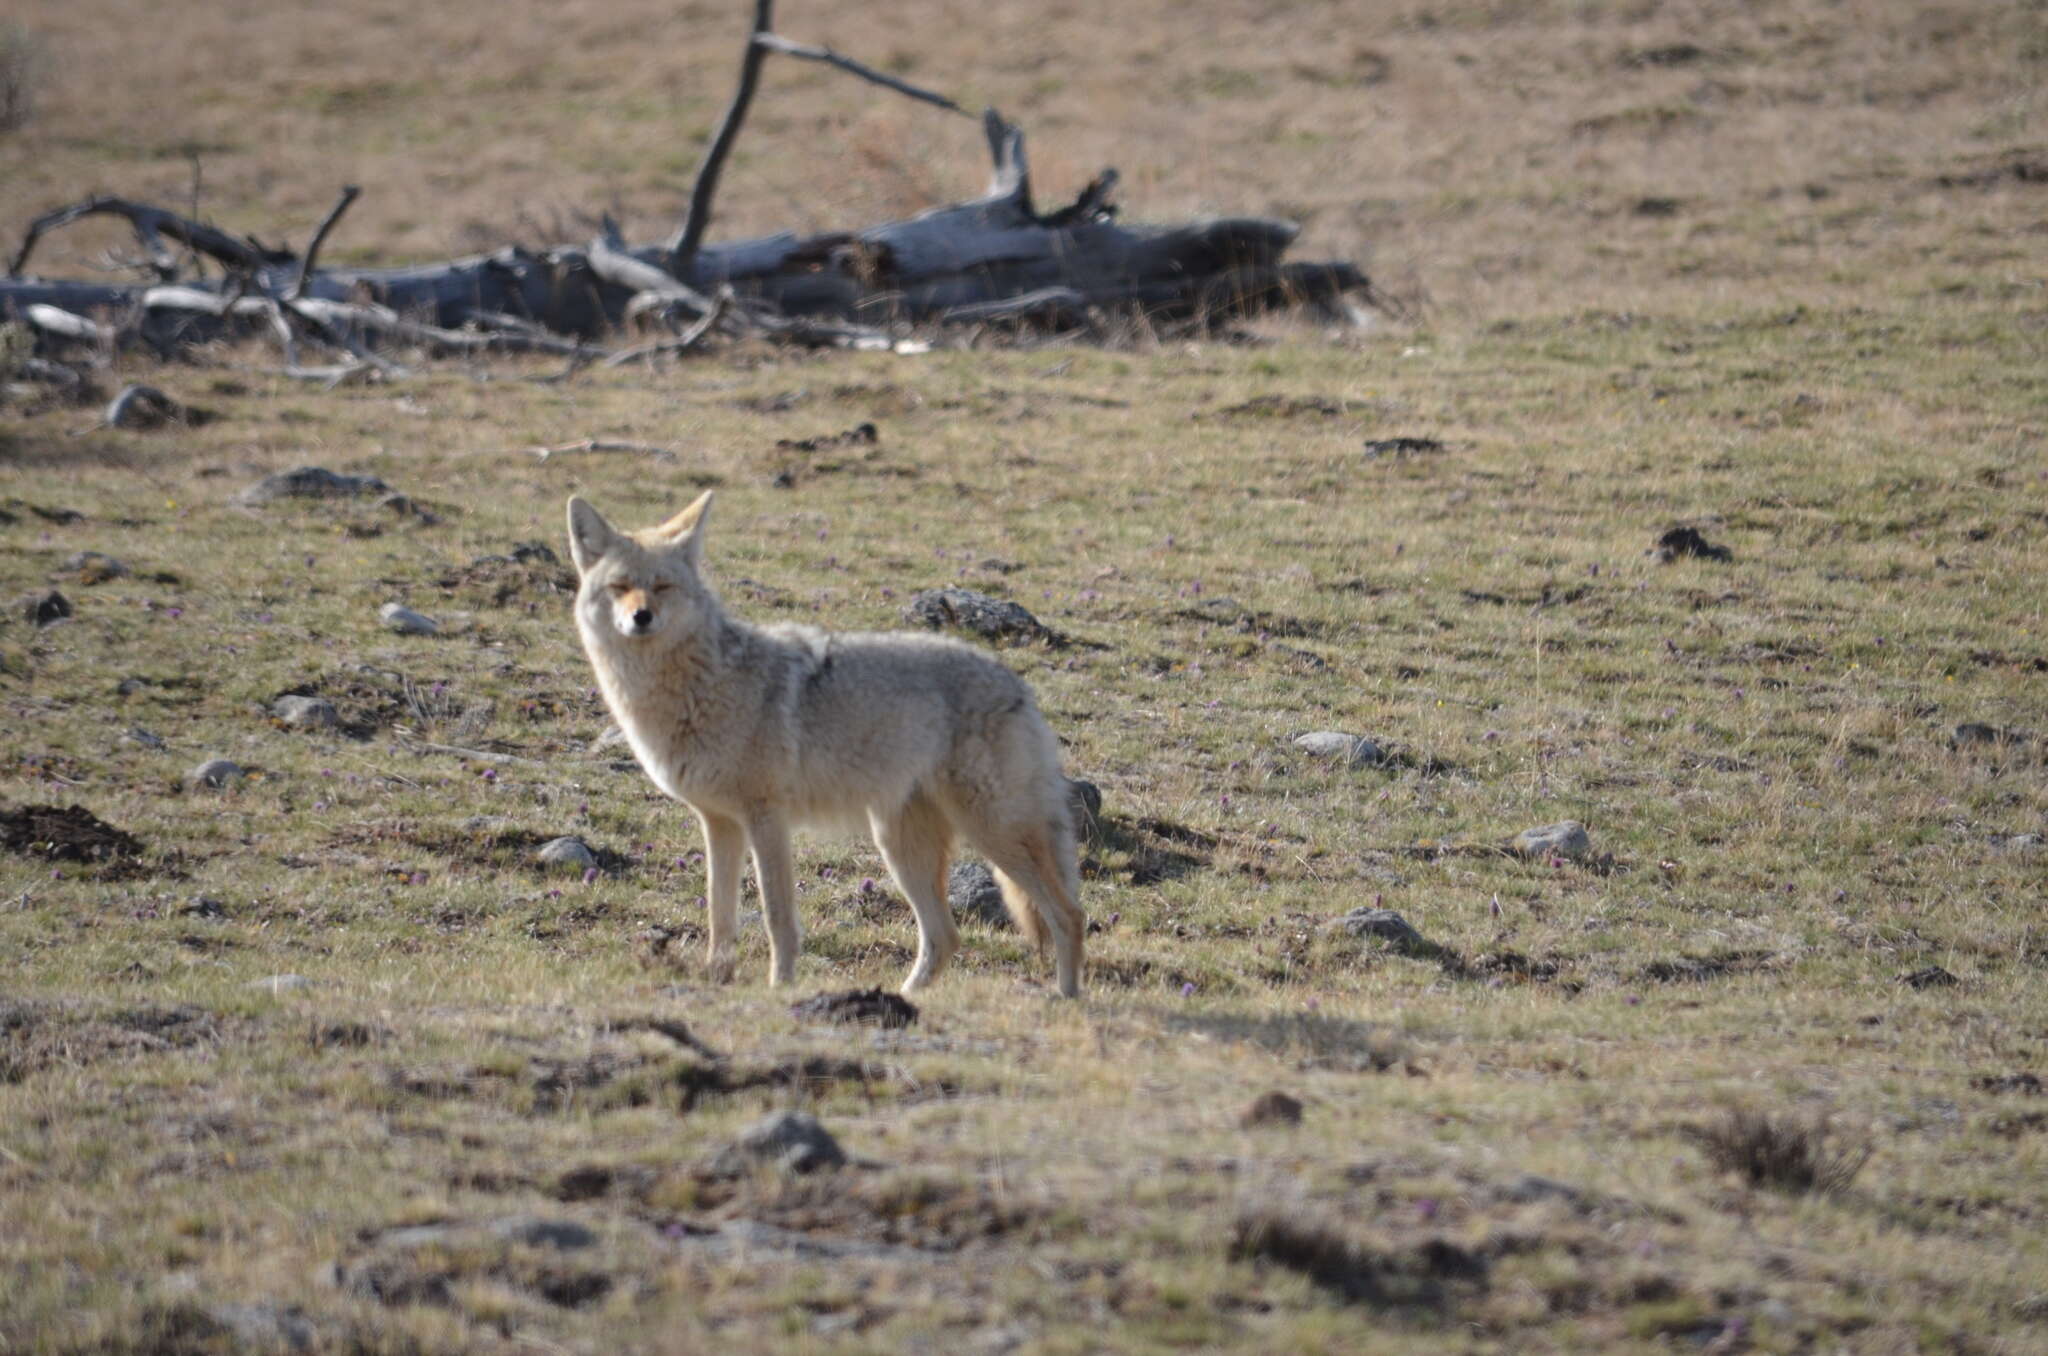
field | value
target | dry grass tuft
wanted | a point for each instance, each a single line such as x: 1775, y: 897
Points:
x: 1785, y: 1153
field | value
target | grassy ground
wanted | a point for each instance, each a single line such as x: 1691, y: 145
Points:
x: 1775, y: 272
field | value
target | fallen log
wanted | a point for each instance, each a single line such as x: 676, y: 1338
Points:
x: 992, y: 259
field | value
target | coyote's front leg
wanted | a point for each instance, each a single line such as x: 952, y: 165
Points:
x: 725, y: 855
x: 775, y: 873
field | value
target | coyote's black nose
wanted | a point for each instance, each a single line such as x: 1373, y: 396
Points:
x: 642, y: 619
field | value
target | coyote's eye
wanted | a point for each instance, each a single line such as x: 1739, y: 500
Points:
x: 622, y: 587
x: 662, y: 586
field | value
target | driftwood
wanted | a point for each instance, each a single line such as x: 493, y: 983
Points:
x: 994, y: 260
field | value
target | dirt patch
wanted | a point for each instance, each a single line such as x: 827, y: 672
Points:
x: 529, y: 571
x: 1719, y: 965
x: 2010, y: 167
x: 2025, y: 1084
x: 65, y: 834
x: 1277, y: 406
x: 1272, y: 1108
x: 1687, y: 541
x: 1427, y: 1273
x: 1510, y: 964
x: 798, y: 459
x: 873, y: 1007
x: 38, y: 1036
x: 430, y: 1264
x: 1401, y: 448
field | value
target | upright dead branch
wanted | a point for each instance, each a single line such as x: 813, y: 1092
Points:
x: 682, y: 250
x: 349, y: 194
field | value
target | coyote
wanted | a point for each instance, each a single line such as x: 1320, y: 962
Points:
x: 760, y: 728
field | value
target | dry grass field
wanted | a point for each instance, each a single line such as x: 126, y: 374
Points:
x: 323, y: 1060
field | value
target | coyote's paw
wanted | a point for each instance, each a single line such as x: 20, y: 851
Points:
x: 718, y: 967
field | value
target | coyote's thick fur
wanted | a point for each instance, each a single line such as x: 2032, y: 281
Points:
x: 760, y: 728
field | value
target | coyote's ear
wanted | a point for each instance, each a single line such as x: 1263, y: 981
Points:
x: 590, y: 536
x: 686, y: 529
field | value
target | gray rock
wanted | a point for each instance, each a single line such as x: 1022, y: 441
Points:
x: 972, y: 892
x: 966, y: 610
x: 309, y: 482
x: 276, y: 984
x: 265, y: 1327
x: 215, y: 773
x: 2016, y: 842
x: 1567, y: 840
x: 147, y: 739
x: 306, y: 713
x: 403, y: 506
x: 538, y: 1231
x: 567, y: 854
x: 407, y: 622
x: 93, y: 567
x: 1084, y: 803
x: 1354, y: 750
x: 46, y: 609
x: 1398, y: 933
x: 1384, y: 924
x: 791, y: 1141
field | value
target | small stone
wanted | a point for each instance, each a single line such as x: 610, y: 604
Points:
x: 215, y: 773
x: 265, y: 1327
x: 567, y: 854
x: 306, y: 713
x: 276, y: 984
x: 94, y: 567
x: 407, y: 622
x: 966, y: 610
x: 1567, y: 840
x: 309, y: 482
x: 791, y: 1141
x: 1084, y: 803
x: 1384, y: 924
x: 46, y: 609
x: 147, y: 739
x: 1400, y: 936
x: 1273, y: 1108
x: 974, y: 896
x: 1354, y: 750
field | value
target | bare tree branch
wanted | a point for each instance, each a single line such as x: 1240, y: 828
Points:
x: 349, y: 193
x: 804, y: 51
x: 682, y: 250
